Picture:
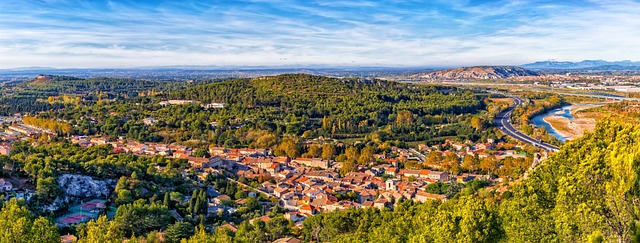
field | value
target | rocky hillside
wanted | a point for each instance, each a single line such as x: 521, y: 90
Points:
x: 473, y: 73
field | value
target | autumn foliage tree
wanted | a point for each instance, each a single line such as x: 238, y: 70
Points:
x: 54, y: 126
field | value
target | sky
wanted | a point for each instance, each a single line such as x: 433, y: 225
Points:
x: 436, y: 33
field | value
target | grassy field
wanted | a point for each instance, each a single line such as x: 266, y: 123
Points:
x: 502, y: 100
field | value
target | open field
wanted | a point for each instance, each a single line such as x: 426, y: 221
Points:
x: 502, y: 100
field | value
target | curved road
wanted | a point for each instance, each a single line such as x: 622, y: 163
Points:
x: 503, y: 122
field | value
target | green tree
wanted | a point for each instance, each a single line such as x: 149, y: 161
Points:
x: 201, y: 153
x: 100, y: 230
x: 18, y: 225
x: 451, y: 163
x: 313, y: 152
x: 477, y: 123
x: 47, y: 187
x: 434, y: 157
x: 140, y: 217
x: 288, y: 147
x: 124, y: 196
x: 178, y: 231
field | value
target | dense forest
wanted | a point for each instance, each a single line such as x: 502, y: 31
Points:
x: 46, y: 92
x: 296, y: 104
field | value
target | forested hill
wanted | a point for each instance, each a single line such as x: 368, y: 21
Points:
x: 51, y: 85
x: 320, y: 96
x: 589, y: 191
x: 52, y: 92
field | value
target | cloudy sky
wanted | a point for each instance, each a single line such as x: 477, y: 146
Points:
x: 67, y: 33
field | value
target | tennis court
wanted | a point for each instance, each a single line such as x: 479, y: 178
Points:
x: 82, y: 213
x: 91, y: 206
x: 75, y: 218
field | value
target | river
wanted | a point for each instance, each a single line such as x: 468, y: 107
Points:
x: 539, y: 121
x: 564, y: 111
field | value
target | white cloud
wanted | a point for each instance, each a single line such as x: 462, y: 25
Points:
x: 295, y: 33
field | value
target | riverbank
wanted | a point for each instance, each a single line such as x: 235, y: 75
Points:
x: 576, y: 127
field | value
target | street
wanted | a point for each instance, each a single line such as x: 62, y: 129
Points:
x: 503, y: 122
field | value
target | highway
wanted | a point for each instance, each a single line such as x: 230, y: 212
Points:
x: 606, y: 97
x: 503, y: 122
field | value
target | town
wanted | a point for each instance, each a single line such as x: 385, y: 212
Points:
x: 306, y: 186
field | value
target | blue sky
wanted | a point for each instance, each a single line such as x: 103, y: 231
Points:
x: 80, y: 33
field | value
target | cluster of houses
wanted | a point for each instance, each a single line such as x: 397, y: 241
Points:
x: 17, y: 132
x: 306, y: 189
x: 499, y: 150
x: 308, y: 186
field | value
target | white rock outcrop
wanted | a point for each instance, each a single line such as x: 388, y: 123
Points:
x: 85, y: 186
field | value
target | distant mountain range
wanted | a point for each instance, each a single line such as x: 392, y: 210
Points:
x: 583, y: 65
x: 479, y: 72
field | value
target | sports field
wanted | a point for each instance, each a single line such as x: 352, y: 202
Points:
x: 81, y: 213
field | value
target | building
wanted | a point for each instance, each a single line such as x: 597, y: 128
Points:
x: 177, y: 102
x: 391, y: 184
x: 439, y: 175
x: 5, y: 149
x: 312, y: 162
x: 381, y: 203
x: 149, y: 121
x: 5, y: 185
x: 422, y: 196
x: 24, y: 130
x: 308, y: 209
x: 287, y: 240
x: 68, y: 238
x: 214, y: 106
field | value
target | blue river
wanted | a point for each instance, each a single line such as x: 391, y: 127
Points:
x: 538, y: 121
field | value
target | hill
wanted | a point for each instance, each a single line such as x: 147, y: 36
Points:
x: 32, y: 96
x: 583, y: 65
x: 479, y: 72
x: 296, y: 103
x: 320, y: 95
x: 41, y: 79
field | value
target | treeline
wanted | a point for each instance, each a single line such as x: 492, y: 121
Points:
x: 32, y: 97
x: 51, y: 125
x: 346, y: 102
